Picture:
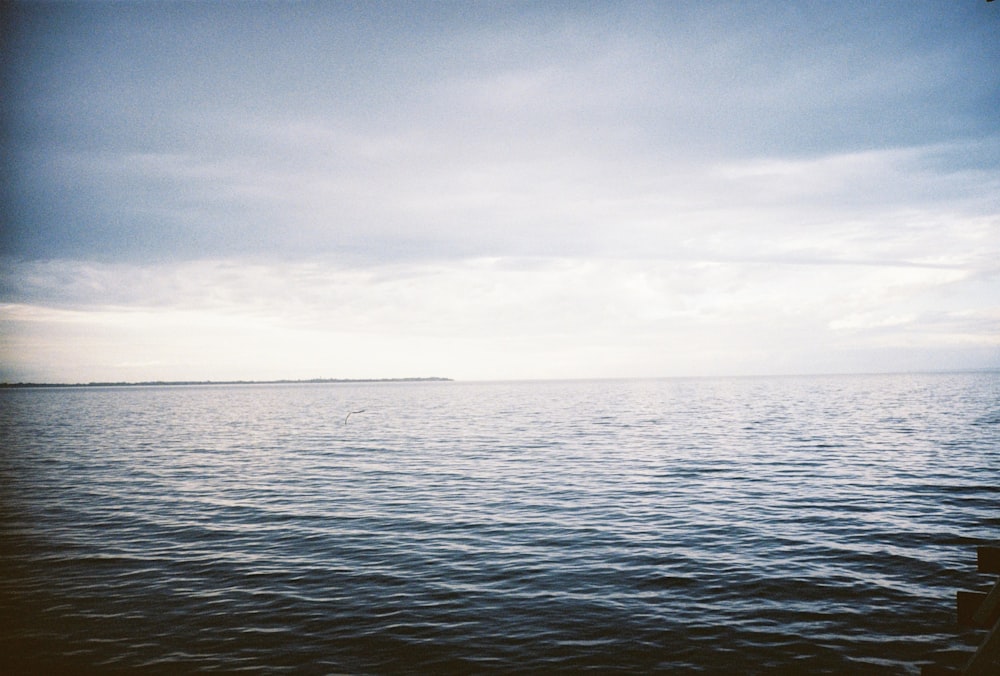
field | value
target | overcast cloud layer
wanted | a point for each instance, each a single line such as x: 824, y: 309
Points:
x: 498, y: 190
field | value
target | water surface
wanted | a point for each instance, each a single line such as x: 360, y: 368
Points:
x: 818, y: 524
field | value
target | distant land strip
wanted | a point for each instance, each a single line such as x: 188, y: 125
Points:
x: 148, y: 383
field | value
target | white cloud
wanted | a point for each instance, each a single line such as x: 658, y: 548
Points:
x: 485, y: 192
x: 483, y: 318
x: 301, y: 188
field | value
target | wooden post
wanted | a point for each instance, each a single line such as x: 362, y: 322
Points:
x: 986, y: 661
x: 988, y: 559
x: 978, y: 609
x: 981, y: 610
x: 989, y: 610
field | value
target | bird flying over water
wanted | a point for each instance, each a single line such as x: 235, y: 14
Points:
x: 352, y: 413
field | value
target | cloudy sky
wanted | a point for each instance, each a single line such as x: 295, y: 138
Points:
x: 490, y: 190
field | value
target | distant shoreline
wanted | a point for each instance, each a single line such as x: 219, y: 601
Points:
x: 181, y: 383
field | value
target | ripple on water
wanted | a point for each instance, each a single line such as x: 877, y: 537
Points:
x: 791, y: 524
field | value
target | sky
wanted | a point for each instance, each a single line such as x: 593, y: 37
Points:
x: 498, y: 190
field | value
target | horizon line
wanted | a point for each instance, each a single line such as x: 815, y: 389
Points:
x: 181, y: 383
x: 307, y: 381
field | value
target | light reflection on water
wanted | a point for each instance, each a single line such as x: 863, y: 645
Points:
x: 811, y: 524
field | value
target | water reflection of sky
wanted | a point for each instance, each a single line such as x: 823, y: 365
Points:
x: 563, y: 525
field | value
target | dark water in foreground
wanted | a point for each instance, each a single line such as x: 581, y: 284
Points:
x: 801, y: 525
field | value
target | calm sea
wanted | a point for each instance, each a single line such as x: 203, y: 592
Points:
x: 754, y: 525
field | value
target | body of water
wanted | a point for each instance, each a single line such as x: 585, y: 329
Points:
x: 746, y: 525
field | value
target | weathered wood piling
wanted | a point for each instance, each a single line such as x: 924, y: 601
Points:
x: 979, y: 610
